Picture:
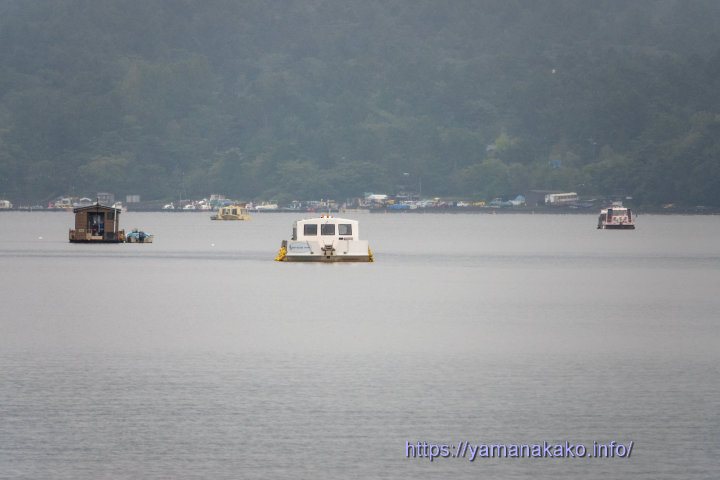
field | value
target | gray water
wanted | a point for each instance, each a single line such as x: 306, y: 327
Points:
x: 199, y: 357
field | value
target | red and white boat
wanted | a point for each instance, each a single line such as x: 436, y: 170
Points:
x: 616, y: 217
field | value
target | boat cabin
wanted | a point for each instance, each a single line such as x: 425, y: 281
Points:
x: 97, y: 223
x: 325, y: 229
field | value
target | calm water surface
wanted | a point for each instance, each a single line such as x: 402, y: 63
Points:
x: 197, y: 356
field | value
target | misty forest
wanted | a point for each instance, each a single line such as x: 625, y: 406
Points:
x: 301, y: 99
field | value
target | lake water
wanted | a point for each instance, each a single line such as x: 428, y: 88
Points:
x: 198, y: 357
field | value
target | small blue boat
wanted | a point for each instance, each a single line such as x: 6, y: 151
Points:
x: 138, y: 237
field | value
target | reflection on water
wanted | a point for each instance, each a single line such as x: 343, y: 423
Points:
x: 197, y: 356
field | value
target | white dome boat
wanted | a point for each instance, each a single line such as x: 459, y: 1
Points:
x: 325, y: 239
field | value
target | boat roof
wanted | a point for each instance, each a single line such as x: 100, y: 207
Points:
x: 235, y: 205
x: 94, y: 207
x: 327, y: 219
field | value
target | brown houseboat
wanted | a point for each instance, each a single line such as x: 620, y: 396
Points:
x: 97, y: 224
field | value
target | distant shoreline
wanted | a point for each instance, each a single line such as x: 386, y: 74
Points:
x: 541, y: 210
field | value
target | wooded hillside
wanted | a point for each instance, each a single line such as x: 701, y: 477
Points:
x: 301, y: 99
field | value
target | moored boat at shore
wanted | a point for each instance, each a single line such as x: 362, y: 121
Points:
x: 325, y: 239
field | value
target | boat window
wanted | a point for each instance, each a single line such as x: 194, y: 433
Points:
x: 327, y: 229
x: 234, y: 211
x: 344, y: 229
x: 310, y: 229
